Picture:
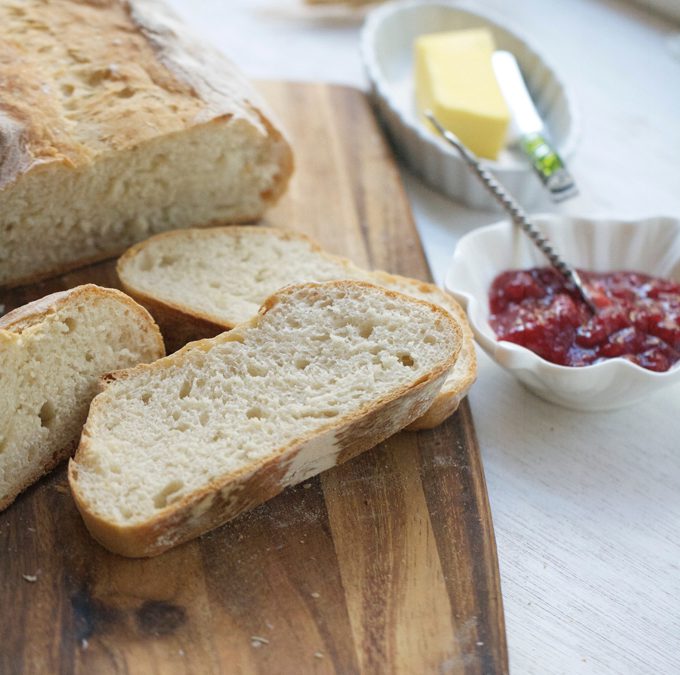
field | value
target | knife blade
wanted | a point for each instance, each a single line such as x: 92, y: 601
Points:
x: 528, y: 127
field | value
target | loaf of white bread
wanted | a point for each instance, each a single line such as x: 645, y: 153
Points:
x: 321, y: 373
x: 114, y: 125
x: 52, y: 355
x: 198, y: 283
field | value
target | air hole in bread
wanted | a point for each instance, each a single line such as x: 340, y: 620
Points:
x: 204, y: 418
x: 89, y: 357
x: 67, y: 90
x: 185, y: 389
x: 146, y: 397
x: 183, y: 427
x: 161, y: 500
x: 365, y: 330
x: 167, y: 260
x: 46, y: 414
x: 70, y: 324
x: 3, y: 445
x: 301, y: 364
x: 255, y: 413
x: 429, y: 339
x: 176, y: 415
x: 406, y: 360
x: 126, y: 92
x: 146, y: 263
x: 215, y: 284
x: 316, y: 414
x: 256, y: 370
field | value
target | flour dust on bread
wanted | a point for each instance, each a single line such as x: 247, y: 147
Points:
x: 198, y: 283
x: 118, y: 125
x: 321, y: 373
x: 52, y: 354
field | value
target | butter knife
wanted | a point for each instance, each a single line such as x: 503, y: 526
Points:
x: 531, y: 133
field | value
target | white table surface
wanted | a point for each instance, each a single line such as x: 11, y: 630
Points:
x: 586, y: 507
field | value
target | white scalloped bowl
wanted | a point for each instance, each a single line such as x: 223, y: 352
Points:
x: 387, y: 51
x: 651, y: 246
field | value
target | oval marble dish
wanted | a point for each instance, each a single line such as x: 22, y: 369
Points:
x: 651, y: 246
x: 387, y: 51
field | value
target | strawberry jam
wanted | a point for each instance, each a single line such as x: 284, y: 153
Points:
x: 638, y: 317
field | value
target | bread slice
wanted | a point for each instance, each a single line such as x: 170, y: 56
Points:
x: 198, y: 283
x: 116, y: 124
x: 321, y: 373
x: 52, y: 354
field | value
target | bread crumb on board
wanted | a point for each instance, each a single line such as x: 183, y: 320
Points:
x: 318, y: 655
x: 257, y: 641
x: 31, y: 578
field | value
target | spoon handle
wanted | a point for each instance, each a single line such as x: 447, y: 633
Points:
x: 515, y: 211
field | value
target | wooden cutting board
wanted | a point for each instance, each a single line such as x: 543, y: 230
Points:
x: 386, y: 564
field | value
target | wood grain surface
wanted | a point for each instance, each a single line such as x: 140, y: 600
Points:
x: 386, y: 564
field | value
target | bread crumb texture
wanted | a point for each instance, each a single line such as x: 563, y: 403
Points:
x: 52, y: 354
x: 115, y: 125
x: 320, y: 356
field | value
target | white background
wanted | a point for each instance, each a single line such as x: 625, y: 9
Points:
x: 586, y: 507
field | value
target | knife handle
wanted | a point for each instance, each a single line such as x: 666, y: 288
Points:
x: 549, y: 166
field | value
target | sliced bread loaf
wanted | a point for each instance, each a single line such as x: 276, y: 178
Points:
x: 116, y: 124
x: 52, y: 354
x: 198, y: 283
x: 323, y: 372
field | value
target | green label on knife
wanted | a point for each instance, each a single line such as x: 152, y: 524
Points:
x: 549, y: 166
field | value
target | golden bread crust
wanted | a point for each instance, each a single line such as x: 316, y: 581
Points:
x: 85, y: 78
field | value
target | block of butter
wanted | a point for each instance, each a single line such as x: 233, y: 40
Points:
x: 455, y: 79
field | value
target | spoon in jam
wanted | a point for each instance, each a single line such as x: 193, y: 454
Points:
x: 516, y: 212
